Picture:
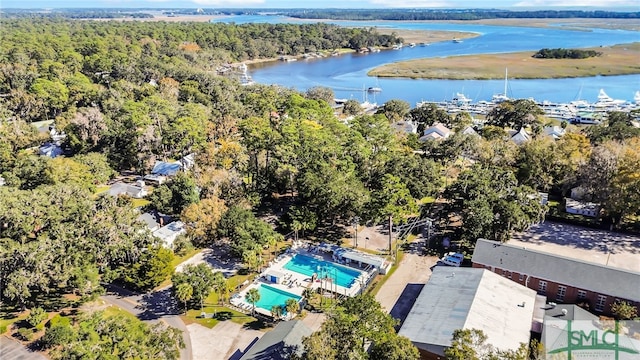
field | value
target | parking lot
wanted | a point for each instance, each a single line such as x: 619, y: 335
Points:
x: 597, y: 246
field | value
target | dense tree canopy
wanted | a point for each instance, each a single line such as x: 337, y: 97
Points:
x: 353, y: 325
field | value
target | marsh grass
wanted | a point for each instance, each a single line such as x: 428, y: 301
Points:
x: 615, y: 60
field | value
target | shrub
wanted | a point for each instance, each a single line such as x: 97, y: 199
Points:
x: 25, y: 334
x: 58, y: 334
x: 36, y: 316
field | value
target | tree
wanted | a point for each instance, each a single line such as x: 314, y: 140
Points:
x: 427, y: 115
x: 202, y: 220
x: 200, y: 277
x: 184, y: 293
x: 176, y: 195
x: 152, y: 268
x: 394, y: 199
x: 276, y: 312
x: 353, y: 325
x: 515, y: 114
x: 394, y: 348
x: 492, y: 204
x: 292, y: 306
x: 219, y: 284
x: 351, y: 107
x: 321, y: 93
x: 623, y: 310
x: 395, y: 110
x: 252, y: 296
x: 471, y: 344
x: 618, y: 127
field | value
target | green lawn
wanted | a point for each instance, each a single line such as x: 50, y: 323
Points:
x: 139, y: 202
x: 6, y: 319
x: 101, y: 189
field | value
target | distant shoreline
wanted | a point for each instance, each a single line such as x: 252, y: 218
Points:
x: 615, y: 60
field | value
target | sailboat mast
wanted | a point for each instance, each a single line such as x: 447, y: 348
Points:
x: 505, y: 81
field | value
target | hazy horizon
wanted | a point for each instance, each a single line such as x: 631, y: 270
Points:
x: 613, y: 5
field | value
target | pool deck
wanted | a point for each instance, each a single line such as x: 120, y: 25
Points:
x: 295, y: 283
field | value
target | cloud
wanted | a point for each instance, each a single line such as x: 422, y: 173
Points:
x: 229, y: 3
x: 574, y: 3
x: 413, y: 4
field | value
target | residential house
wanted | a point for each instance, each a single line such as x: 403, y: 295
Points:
x: 405, y: 126
x: 519, y: 137
x: 51, y: 150
x: 561, y: 279
x: 469, y: 130
x: 169, y: 233
x: 2, y: 181
x: 154, y: 220
x: 163, y: 168
x: 281, y: 343
x: 435, y: 132
x: 555, y: 132
x: 467, y: 298
x: 134, y: 190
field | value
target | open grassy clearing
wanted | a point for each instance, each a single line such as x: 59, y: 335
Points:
x: 616, y: 60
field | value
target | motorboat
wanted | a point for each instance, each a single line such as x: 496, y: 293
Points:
x: 374, y: 89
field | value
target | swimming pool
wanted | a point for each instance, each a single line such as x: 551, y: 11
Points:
x: 270, y: 296
x: 307, y: 265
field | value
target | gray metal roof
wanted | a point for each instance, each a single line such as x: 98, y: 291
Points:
x: 583, y: 275
x: 279, y: 343
x: 467, y: 298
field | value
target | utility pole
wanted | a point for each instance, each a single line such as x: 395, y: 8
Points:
x: 390, y: 232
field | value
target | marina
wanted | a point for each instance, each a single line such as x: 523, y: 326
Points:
x: 344, y: 73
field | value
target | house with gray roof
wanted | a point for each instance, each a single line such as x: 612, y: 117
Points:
x: 561, y: 279
x: 280, y: 343
x: 135, y: 191
x: 467, y: 298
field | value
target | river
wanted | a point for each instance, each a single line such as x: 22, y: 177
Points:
x: 347, y: 74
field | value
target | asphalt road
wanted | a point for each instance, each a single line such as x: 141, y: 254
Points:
x: 152, y: 307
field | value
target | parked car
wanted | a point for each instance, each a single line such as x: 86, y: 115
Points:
x: 452, y: 259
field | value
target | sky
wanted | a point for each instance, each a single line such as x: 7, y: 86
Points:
x: 627, y: 5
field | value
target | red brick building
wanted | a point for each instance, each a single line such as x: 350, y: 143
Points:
x: 560, y: 279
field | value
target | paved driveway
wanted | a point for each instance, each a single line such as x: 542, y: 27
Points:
x: 13, y: 350
x: 597, y: 246
x: 152, y: 307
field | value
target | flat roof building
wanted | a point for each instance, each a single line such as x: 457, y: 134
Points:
x: 467, y: 298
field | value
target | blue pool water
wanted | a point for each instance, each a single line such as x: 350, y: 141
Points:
x: 270, y: 296
x: 308, y: 266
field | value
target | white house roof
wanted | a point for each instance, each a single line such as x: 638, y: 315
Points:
x: 520, y: 137
x: 437, y: 131
x: 168, y: 233
x: 122, y: 188
x: 468, y: 298
x: 555, y: 131
x: 584, y: 275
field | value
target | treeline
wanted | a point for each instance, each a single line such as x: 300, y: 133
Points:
x: 454, y: 14
x: 77, y: 13
x: 565, y: 54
